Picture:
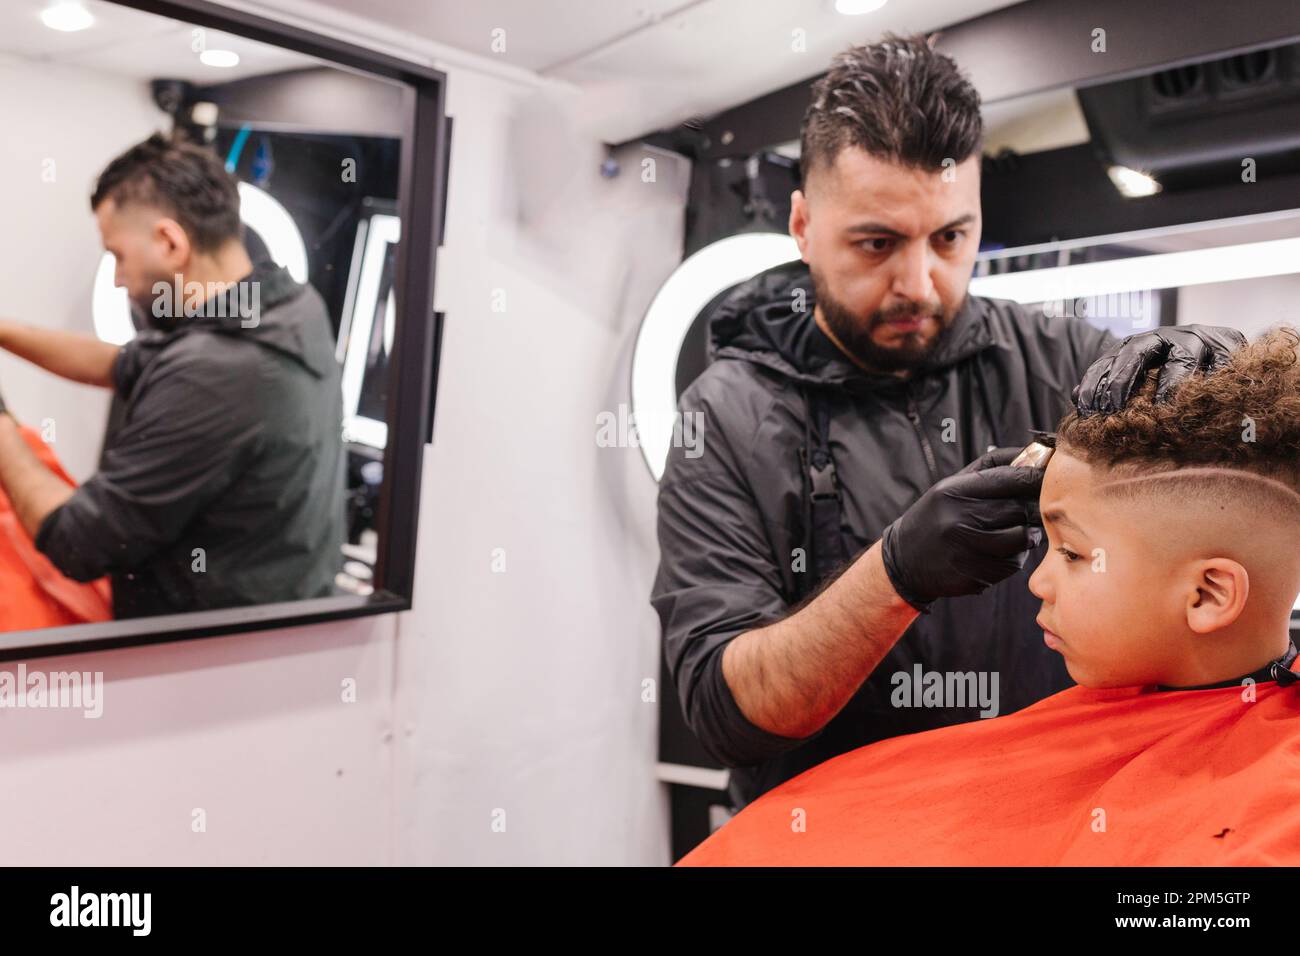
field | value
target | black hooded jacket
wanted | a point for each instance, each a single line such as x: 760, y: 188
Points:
x: 732, y: 513
x: 223, y: 485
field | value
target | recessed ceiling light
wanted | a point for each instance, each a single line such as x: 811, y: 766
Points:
x: 853, y: 7
x: 221, y: 58
x: 67, y: 16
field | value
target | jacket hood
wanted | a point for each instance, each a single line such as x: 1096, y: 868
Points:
x: 757, y: 322
x: 273, y: 310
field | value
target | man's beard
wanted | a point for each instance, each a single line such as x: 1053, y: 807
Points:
x: 144, y: 314
x: 855, y: 335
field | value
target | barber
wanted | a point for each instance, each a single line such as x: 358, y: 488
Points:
x: 223, y: 485
x: 853, y: 521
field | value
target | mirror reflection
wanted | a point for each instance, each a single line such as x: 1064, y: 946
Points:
x: 197, y: 313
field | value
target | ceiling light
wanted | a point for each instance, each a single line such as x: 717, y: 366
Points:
x: 854, y: 7
x: 1132, y: 183
x: 221, y: 58
x: 67, y: 17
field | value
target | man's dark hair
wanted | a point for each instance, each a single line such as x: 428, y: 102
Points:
x: 185, y: 180
x: 899, y: 100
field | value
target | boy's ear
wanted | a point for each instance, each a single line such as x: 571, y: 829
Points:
x: 1218, y: 595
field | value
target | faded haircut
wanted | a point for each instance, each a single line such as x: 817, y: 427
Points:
x: 1242, y: 418
x: 184, y: 180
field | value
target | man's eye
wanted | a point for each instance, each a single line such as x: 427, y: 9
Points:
x: 1067, y: 554
x: 880, y: 244
x: 950, y: 237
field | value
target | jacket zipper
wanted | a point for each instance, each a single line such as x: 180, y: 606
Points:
x: 914, y: 414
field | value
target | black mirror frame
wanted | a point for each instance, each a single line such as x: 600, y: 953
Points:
x: 412, y: 376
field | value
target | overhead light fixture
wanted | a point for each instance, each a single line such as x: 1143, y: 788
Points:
x: 67, y: 16
x: 219, y: 58
x: 671, y: 315
x: 1132, y: 183
x: 1165, y: 270
x: 260, y: 211
x: 852, y: 8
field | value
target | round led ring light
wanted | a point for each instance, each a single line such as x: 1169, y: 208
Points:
x: 670, y: 316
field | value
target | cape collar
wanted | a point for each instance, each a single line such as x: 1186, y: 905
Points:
x: 1278, y: 670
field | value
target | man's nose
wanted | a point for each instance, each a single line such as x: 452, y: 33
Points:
x: 912, y: 278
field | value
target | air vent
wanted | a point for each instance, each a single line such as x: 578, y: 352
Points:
x: 1249, y: 69
x: 1195, y: 122
x: 1179, y: 83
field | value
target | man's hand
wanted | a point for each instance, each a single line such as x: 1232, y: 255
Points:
x: 1177, y: 350
x: 967, y: 532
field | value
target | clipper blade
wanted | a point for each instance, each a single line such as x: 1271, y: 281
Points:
x: 1034, y: 455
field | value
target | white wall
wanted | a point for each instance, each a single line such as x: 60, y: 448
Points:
x: 527, y: 683
x: 1252, y: 305
x: 62, y: 125
x: 518, y: 691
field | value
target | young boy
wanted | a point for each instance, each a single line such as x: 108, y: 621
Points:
x: 1168, y: 587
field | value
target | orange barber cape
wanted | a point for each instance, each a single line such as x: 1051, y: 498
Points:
x: 1119, y: 777
x: 33, y: 592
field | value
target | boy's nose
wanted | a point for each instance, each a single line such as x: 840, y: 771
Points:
x: 1037, y: 581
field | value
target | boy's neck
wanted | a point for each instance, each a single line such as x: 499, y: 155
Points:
x: 1234, y: 665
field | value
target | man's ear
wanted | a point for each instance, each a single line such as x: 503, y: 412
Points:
x: 174, y: 244
x: 799, y: 222
x: 1217, y: 595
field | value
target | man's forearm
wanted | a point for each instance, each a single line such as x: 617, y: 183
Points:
x: 81, y: 358
x: 791, y: 677
x: 33, y: 490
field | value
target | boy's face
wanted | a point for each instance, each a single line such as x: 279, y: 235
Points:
x: 1111, y: 606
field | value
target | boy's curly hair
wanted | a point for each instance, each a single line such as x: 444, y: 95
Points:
x: 1243, y: 416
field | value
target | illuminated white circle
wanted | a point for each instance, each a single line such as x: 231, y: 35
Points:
x: 670, y: 316
x: 261, y: 213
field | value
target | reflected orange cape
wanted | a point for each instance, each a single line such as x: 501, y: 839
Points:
x: 1129, y: 776
x: 33, y: 592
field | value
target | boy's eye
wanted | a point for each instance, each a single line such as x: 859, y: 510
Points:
x: 1067, y: 554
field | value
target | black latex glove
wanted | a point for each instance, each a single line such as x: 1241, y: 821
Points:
x: 1177, y: 350
x: 967, y: 532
